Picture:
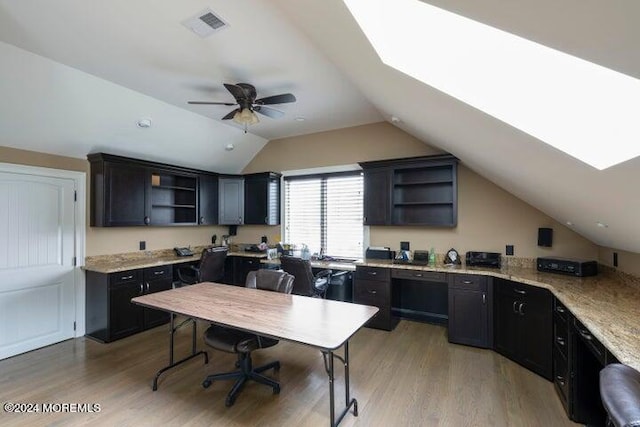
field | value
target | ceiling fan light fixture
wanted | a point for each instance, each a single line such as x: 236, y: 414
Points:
x: 246, y: 117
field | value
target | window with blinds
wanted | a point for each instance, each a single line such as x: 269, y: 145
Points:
x: 325, y: 211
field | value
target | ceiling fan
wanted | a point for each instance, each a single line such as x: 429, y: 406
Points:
x: 248, y: 105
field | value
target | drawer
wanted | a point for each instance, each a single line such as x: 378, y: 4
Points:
x: 124, y: 277
x: 561, y: 335
x: 159, y: 272
x: 468, y: 281
x: 371, y: 292
x: 592, y: 342
x: 561, y: 376
x: 373, y: 273
x: 560, y: 310
x: 427, y: 276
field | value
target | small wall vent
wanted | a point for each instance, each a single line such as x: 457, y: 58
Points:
x: 205, y: 23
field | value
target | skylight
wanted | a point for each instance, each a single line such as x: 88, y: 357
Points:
x: 588, y: 111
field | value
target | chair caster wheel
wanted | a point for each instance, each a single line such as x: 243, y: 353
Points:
x: 206, y: 383
x: 229, y: 401
x: 276, y: 389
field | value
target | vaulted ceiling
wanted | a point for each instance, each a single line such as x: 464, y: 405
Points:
x: 148, y: 65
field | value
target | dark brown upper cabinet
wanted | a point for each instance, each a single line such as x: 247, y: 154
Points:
x: 411, y: 191
x: 262, y: 198
x: 131, y: 192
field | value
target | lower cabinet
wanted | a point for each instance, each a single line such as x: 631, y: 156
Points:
x: 372, y: 286
x: 470, y: 311
x: 523, y: 325
x: 110, y: 315
x: 236, y: 269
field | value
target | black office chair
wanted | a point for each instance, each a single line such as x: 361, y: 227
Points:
x: 210, y: 268
x: 243, y: 343
x: 620, y: 393
x: 306, y: 283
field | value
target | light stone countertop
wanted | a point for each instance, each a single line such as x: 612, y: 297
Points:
x: 135, y: 260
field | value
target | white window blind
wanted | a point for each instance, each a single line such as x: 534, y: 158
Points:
x: 325, y: 211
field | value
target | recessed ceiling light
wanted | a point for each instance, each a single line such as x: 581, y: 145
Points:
x: 394, y: 119
x: 601, y: 224
x: 564, y: 101
x: 569, y: 223
x: 229, y: 147
x: 300, y: 119
x: 144, y: 123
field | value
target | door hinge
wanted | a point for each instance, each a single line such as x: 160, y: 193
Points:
x: 75, y: 196
x: 74, y: 325
x: 74, y: 261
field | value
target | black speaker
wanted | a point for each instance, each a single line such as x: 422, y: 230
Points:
x: 545, y: 237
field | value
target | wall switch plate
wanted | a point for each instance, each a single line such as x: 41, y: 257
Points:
x: 404, y: 246
x: 509, y: 250
x: 615, y: 259
x: 143, y: 245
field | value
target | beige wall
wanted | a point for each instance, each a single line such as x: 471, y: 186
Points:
x: 488, y: 217
x: 628, y: 262
x: 33, y: 158
x: 338, y: 147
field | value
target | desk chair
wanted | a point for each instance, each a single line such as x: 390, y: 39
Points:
x: 210, y: 268
x: 243, y: 343
x: 306, y: 283
x: 620, y: 393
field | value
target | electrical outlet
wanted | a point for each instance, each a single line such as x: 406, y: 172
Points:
x: 615, y: 259
x: 143, y: 245
x: 509, y: 250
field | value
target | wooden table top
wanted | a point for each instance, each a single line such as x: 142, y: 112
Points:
x: 325, y: 324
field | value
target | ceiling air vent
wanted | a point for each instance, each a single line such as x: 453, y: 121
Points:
x: 205, y: 23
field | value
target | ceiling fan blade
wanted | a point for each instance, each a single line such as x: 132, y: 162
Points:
x: 231, y: 114
x: 268, y: 111
x: 276, y: 99
x: 238, y: 92
x: 210, y: 103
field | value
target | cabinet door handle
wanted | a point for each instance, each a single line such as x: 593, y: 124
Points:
x: 520, y: 291
x: 373, y: 273
x: 147, y: 287
x: 484, y: 298
x: 520, y: 309
x: 561, y: 341
x: 467, y: 282
x: 515, y: 310
x: 126, y: 277
x: 147, y: 220
x: 560, y: 309
x: 201, y: 220
x: 586, y: 335
x: 266, y: 220
x: 560, y: 380
x: 158, y: 273
x: 417, y: 275
x: 141, y: 289
x: 372, y: 292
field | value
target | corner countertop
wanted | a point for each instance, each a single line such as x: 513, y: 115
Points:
x: 608, y: 304
x: 131, y: 261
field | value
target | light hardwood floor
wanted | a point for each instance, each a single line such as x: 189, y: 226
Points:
x: 409, y: 377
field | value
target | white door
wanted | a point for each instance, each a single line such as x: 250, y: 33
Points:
x: 37, y: 290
